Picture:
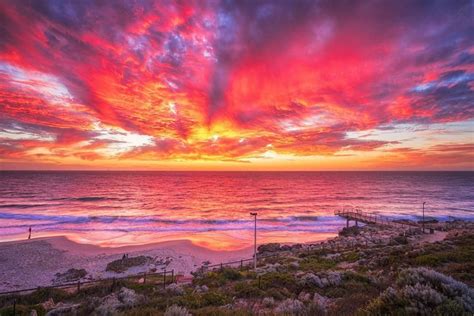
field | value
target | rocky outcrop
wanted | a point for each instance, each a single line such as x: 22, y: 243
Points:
x: 110, y: 304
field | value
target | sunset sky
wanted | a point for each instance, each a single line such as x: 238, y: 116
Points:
x: 237, y: 85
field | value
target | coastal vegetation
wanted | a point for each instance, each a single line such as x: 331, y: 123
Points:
x: 388, y: 273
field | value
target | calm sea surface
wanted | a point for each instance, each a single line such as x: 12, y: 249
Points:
x: 212, y: 208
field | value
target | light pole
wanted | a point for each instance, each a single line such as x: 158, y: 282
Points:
x: 255, y: 242
x: 424, y: 217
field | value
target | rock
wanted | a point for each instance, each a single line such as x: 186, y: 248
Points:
x: 109, y: 305
x: 285, y: 248
x: 201, y: 289
x: 63, y: 309
x: 296, y: 247
x: 271, y: 247
x: 124, y: 298
x: 49, y: 304
x: 129, y: 297
x: 268, y: 302
x: 291, y: 307
x: 69, y: 276
x: 324, y: 282
x: 175, y: 310
x: 320, y: 303
x: 334, y: 278
x: 33, y: 312
x: 175, y: 289
x: 304, y: 297
x: 122, y: 265
x: 294, y: 265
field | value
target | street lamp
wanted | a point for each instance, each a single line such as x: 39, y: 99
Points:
x: 255, y: 242
x: 424, y: 217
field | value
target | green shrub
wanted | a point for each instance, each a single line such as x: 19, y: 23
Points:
x: 246, y: 290
x: 278, y: 293
x: 430, y: 260
x: 214, y: 298
x: 351, y: 256
x: 39, y: 296
x: 231, y: 274
x: 316, y: 264
x: 278, y: 280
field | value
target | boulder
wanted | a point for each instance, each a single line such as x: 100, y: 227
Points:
x: 201, y: 289
x: 304, y: 297
x: 324, y: 282
x: 69, y: 276
x: 268, y: 302
x: 320, y: 303
x: 291, y: 307
x: 124, y: 298
x: 175, y: 289
x: 63, y: 309
x: 49, y: 304
x: 334, y: 278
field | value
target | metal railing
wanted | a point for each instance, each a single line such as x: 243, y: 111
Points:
x: 357, y: 214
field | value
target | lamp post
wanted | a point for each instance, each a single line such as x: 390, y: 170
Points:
x: 255, y: 241
x: 424, y: 217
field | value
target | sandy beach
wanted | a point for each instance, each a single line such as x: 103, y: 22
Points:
x: 35, y: 262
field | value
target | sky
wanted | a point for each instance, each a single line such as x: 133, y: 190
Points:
x: 237, y: 85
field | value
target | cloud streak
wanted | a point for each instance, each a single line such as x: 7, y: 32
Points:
x: 123, y: 83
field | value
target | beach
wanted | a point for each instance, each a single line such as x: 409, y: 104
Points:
x: 35, y: 262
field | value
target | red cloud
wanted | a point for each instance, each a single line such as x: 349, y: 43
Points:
x: 147, y: 81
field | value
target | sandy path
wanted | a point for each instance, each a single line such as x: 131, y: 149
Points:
x: 431, y: 238
x: 32, y: 263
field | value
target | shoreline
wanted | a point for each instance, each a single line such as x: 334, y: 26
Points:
x: 38, y: 261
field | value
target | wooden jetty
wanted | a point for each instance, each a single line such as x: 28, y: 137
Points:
x: 357, y: 215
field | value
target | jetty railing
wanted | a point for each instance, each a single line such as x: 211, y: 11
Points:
x: 366, y: 217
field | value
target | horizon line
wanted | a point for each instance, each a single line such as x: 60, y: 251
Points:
x: 209, y: 170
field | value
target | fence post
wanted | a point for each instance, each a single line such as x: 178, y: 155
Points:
x: 164, y: 279
x: 259, y: 280
x: 241, y: 264
x: 78, y: 285
x: 222, y: 267
x: 113, y: 284
x: 172, y: 276
x: 144, y: 277
x: 14, y: 307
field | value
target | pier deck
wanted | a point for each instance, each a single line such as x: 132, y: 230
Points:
x: 357, y: 215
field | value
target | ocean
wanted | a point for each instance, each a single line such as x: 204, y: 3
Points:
x: 212, y: 208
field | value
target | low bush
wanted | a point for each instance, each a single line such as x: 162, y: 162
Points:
x: 176, y: 310
x: 247, y: 290
x: 316, y: 264
x: 424, y: 291
x: 278, y: 280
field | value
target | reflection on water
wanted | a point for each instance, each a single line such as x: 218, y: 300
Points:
x: 212, y: 208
